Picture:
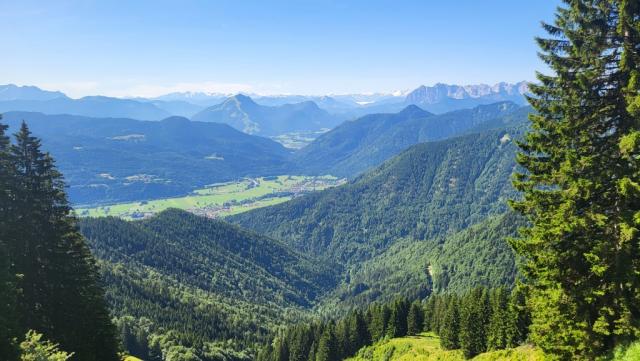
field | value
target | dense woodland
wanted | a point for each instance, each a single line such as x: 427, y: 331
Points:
x: 158, y: 271
x: 50, y: 283
x: 430, y: 190
x: 475, y: 321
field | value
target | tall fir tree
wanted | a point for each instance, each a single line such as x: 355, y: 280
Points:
x: 519, y: 317
x: 415, y: 318
x: 580, y: 185
x: 380, y: 315
x: 59, y: 282
x: 327, y: 346
x: 8, y: 291
x: 359, y: 333
x: 475, y: 313
x: 498, y: 328
x: 449, y: 329
x: 397, y: 326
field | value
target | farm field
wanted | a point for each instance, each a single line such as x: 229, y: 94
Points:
x: 221, y: 199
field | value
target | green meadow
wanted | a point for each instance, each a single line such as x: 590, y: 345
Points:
x: 221, y: 199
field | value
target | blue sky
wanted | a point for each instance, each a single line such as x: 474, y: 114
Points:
x: 146, y: 48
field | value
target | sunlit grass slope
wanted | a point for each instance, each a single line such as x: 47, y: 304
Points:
x: 426, y: 347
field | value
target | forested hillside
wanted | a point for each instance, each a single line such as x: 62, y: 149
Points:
x: 115, y: 159
x: 198, y: 282
x: 429, y: 191
x: 476, y: 256
x: 366, y: 142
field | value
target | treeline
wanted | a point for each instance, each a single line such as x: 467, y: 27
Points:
x: 48, y: 279
x: 475, y: 322
x: 479, y: 320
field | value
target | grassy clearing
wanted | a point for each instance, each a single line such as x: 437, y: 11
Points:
x: 426, y: 347
x: 223, y: 199
x: 131, y: 358
x: 630, y: 353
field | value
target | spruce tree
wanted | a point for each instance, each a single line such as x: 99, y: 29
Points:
x: 498, y: 328
x: 397, y: 326
x: 430, y: 315
x: 450, y: 327
x: 475, y: 313
x: 8, y: 291
x: 328, y: 346
x: 415, y: 318
x: 379, y: 322
x: 359, y: 333
x: 519, y: 317
x: 59, y: 282
x: 580, y: 184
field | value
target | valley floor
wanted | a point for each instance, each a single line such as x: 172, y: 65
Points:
x: 222, y: 199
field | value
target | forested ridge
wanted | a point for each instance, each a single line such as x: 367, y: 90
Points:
x: 241, y: 284
x: 428, y: 191
x: 364, y: 143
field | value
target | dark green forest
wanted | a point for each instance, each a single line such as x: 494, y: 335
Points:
x: 429, y: 191
x: 475, y: 321
x: 242, y: 284
x: 50, y: 283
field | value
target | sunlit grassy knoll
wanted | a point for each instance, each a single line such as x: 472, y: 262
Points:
x: 426, y: 347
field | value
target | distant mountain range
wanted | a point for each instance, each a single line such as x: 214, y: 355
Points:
x: 120, y: 159
x: 32, y: 99
x: 442, y: 98
x: 357, y: 145
x: 439, y: 98
x: 242, y: 113
x: 12, y: 92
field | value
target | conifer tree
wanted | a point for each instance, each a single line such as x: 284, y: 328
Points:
x: 8, y: 320
x: 429, y: 323
x: 281, y: 350
x: 497, y: 330
x: 474, y: 319
x: 415, y: 318
x: 379, y: 322
x: 519, y: 317
x: 59, y: 282
x: 450, y: 328
x: 327, y: 347
x: 359, y: 333
x: 397, y: 326
x: 580, y: 187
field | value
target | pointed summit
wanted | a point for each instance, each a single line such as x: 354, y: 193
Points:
x: 414, y: 111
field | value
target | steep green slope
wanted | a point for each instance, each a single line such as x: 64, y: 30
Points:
x: 429, y: 191
x: 426, y: 347
x: 476, y: 256
x: 114, y: 159
x: 358, y: 145
x: 202, y: 279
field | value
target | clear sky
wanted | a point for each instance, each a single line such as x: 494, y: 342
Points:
x: 150, y: 47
